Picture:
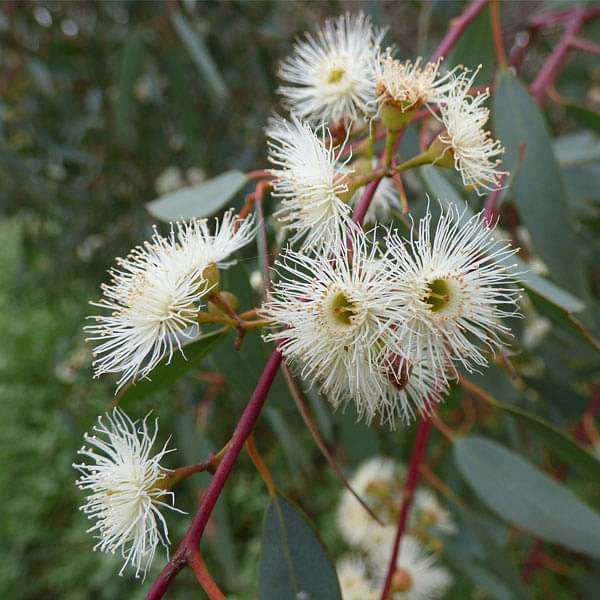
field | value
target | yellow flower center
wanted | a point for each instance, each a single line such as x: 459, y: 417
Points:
x: 438, y: 295
x: 336, y: 75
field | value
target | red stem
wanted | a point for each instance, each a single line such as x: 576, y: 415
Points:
x: 586, y: 46
x: 489, y: 209
x: 497, y: 34
x: 555, y: 61
x: 261, y: 239
x: 550, y: 19
x: 410, y: 485
x: 457, y: 28
x: 242, y: 431
x: 203, y: 576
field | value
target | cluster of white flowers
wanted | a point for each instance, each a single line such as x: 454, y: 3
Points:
x: 378, y: 481
x: 342, y: 75
x: 125, y: 492
x: 374, y: 319
x: 156, y: 293
x: 385, y: 328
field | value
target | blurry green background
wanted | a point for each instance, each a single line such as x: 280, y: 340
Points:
x: 103, y: 107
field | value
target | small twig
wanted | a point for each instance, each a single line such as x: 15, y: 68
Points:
x: 436, y: 483
x: 261, y: 240
x: 586, y: 46
x: 443, y: 428
x: 457, y: 28
x: 298, y: 398
x: 497, y: 34
x: 260, y: 465
x: 410, y: 484
x: 203, y: 576
x: 555, y: 61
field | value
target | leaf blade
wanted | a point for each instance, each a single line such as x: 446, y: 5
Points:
x: 198, y: 201
x: 521, y: 494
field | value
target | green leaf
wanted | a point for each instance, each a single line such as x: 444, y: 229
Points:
x: 200, y: 55
x: 167, y: 372
x: 475, y: 48
x: 521, y: 494
x: 443, y: 190
x: 294, y: 563
x: 573, y: 453
x: 537, y: 187
x: 201, y: 200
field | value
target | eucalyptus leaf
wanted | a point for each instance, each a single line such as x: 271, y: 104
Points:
x: 167, y: 372
x: 573, y: 453
x: 200, y: 55
x: 521, y: 494
x: 537, y: 187
x: 198, y: 201
x: 294, y: 563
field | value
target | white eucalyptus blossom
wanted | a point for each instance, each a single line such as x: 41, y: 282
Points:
x: 428, y: 512
x: 339, y: 314
x: 417, y: 576
x: 378, y: 481
x: 409, y: 85
x: 155, y: 295
x: 354, y: 581
x: 124, y: 481
x: 310, y: 179
x: 458, y: 288
x: 203, y: 247
x: 329, y: 73
x: 473, y: 149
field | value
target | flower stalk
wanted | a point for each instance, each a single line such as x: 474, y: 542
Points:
x: 412, y: 479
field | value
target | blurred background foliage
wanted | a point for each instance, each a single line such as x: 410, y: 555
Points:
x: 107, y: 105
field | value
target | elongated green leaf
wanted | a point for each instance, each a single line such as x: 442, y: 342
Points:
x: 200, y: 55
x: 443, y: 190
x: 475, y: 48
x: 294, y: 563
x: 521, y: 494
x: 201, y: 200
x: 587, y: 465
x: 538, y: 188
x: 167, y: 373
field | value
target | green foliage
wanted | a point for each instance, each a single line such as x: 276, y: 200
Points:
x: 293, y: 560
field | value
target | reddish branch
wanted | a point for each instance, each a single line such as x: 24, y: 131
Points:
x: 203, y: 576
x: 244, y: 428
x: 586, y: 46
x: 553, y: 65
x: 410, y: 485
x: 263, y: 248
x: 457, y: 28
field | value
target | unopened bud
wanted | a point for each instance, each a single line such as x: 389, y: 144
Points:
x: 394, y: 118
x: 399, y: 372
x: 401, y: 581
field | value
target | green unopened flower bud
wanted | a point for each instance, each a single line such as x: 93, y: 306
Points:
x: 211, y: 275
x: 394, y: 117
x: 443, y: 155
